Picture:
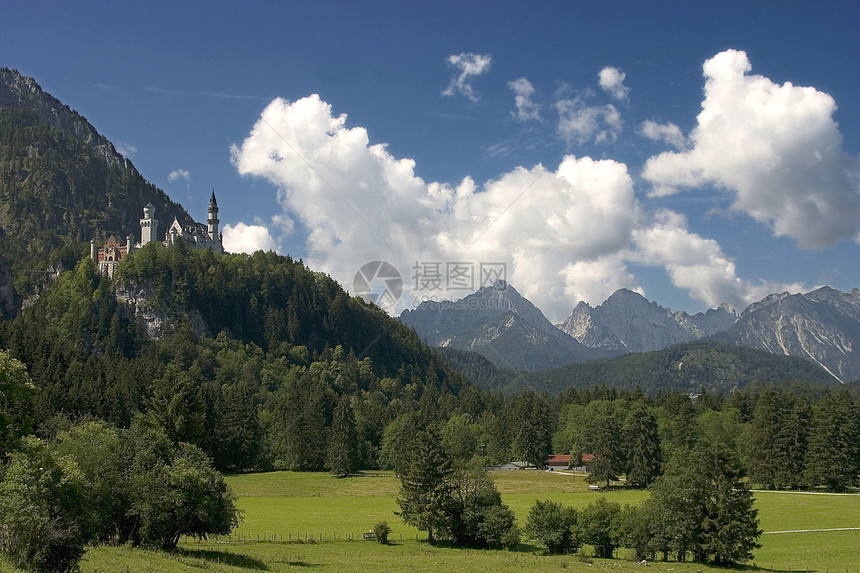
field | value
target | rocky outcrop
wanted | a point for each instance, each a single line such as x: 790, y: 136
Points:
x: 156, y: 320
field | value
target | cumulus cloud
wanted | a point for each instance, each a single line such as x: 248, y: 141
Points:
x: 179, y: 174
x: 578, y: 122
x: 242, y: 238
x: 361, y: 204
x: 665, y: 132
x: 612, y: 82
x: 468, y: 66
x: 524, y: 91
x: 564, y: 233
x: 776, y: 148
x: 697, y: 264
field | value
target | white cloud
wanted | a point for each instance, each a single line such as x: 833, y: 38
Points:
x: 469, y: 65
x: 775, y: 147
x: 125, y: 149
x: 565, y: 233
x: 665, y: 132
x: 696, y: 264
x: 242, y: 238
x: 612, y: 82
x: 524, y: 91
x: 179, y: 174
x: 579, y: 122
x: 594, y: 280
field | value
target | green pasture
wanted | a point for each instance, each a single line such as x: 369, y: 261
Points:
x: 281, y: 507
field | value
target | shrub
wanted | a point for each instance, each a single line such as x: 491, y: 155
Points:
x: 598, y: 526
x: 381, y: 531
x: 42, y: 510
x: 554, y: 526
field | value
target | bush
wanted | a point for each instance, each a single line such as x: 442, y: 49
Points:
x: 42, y: 510
x: 381, y: 531
x: 598, y: 526
x: 493, y: 526
x: 554, y: 526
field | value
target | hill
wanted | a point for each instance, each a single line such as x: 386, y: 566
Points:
x: 246, y: 356
x: 688, y: 367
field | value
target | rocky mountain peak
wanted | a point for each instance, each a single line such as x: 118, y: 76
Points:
x: 21, y: 92
x: 822, y: 326
x: 629, y: 322
x: 498, y: 322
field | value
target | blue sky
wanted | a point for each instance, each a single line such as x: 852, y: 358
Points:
x: 604, y: 176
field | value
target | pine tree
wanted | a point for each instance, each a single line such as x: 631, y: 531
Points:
x: 343, y: 453
x: 642, y: 442
x: 426, y: 494
x: 763, y: 454
x: 832, y: 459
x: 608, y: 460
x: 730, y: 525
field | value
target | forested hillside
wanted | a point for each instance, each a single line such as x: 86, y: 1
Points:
x: 281, y: 344
x: 61, y: 185
x: 687, y: 367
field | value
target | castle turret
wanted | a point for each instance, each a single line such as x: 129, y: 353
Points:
x: 213, y: 218
x: 148, y: 225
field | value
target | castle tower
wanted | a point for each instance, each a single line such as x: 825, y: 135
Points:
x: 213, y: 218
x: 148, y: 225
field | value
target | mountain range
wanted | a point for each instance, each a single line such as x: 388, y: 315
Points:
x: 498, y: 322
x: 822, y: 326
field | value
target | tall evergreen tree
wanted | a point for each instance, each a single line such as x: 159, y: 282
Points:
x: 763, y: 454
x: 426, y: 495
x: 702, y: 506
x: 833, y: 443
x: 343, y: 453
x: 533, y: 438
x: 608, y: 452
x: 642, y: 442
x: 730, y: 525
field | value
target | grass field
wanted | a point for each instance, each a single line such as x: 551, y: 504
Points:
x: 280, y: 507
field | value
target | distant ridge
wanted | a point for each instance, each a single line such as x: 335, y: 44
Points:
x: 688, y: 367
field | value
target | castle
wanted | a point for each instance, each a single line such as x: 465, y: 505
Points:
x: 196, y: 235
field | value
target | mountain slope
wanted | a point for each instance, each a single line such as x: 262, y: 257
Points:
x: 688, y: 367
x: 499, y: 323
x: 61, y: 185
x: 628, y: 322
x: 822, y: 326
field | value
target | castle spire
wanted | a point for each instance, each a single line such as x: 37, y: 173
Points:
x: 213, y: 218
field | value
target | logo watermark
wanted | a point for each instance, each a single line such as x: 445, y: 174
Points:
x: 381, y: 283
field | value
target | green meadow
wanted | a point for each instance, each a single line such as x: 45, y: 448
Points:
x: 314, y: 522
